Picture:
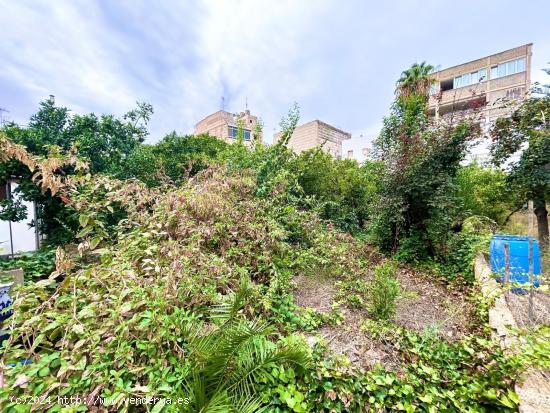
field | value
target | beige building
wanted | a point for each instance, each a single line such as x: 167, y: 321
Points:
x: 314, y: 134
x: 486, y: 81
x: 482, y: 86
x: 225, y: 126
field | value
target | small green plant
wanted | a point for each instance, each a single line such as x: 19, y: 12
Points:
x: 384, y: 291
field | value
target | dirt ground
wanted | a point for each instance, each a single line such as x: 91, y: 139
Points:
x: 519, y: 306
x: 347, y: 338
x: 427, y: 303
x: 424, y: 303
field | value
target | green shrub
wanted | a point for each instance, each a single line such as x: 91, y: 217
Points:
x: 340, y: 189
x: 484, y: 192
x: 417, y: 207
x: 35, y: 265
x: 384, y: 291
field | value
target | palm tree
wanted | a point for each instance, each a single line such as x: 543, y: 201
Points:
x: 415, y: 80
x: 229, y: 361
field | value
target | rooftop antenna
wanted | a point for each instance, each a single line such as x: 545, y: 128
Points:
x: 2, y: 110
x: 223, y: 102
x: 246, y: 103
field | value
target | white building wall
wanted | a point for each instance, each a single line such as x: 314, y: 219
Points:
x: 23, y: 238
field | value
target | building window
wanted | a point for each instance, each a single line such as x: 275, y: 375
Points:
x: 508, y: 68
x: 234, y: 133
x: 446, y: 84
x: 468, y: 79
x: 350, y: 154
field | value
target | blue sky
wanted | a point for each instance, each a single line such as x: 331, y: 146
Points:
x: 338, y: 59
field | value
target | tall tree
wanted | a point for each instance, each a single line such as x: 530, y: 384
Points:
x: 416, y: 207
x: 526, y: 133
x: 105, y: 141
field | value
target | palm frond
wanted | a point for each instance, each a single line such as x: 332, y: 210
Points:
x: 249, y: 370
x: 228, y: 361
x: 227, y: 312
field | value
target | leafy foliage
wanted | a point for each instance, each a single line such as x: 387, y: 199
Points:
x: 36, y: 265
x: 468, y: 375
x: 416, y: 80
x: 173, y: 159
x: 484, y: 192
x: 342, y: 191
x: 104, y: 141
x: 228, y: 362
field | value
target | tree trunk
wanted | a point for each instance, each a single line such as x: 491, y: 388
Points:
x: 542, y: 222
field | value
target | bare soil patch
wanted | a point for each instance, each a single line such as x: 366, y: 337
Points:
x: 519, y: 306
x: 425, y: 303
x: 347, y: 338
x: 362, y: 350
x: 314, y: 292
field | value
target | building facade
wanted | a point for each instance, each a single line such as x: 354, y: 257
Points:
x: 226, y: 125
x: 317, y: 133
x: 358, y: 148
x: 482, y: 86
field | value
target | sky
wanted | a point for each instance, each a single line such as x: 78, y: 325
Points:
x: 339, y: 60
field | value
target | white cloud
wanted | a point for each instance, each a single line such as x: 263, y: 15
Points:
x: 338, y: 60
x: 55, y: 50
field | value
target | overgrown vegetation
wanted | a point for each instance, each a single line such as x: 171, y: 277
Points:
x: 174, y: 279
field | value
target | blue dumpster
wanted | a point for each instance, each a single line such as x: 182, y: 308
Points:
x: 519, y: 257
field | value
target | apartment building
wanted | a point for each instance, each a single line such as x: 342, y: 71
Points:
x: 226, y: 125
x: 482, y: 86
x: 314, y: 134
x: 483, y: 82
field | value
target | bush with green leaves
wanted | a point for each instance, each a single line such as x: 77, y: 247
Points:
x: 342, y: 190
x: 35, y: 265
x: 484, y: 192
x: 172, y: 160
x: 456, y: 261
x: 384, y: 291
